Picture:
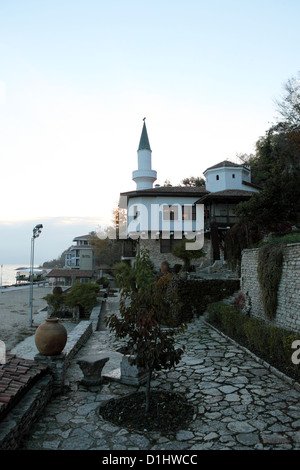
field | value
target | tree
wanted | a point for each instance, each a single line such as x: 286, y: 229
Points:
x: 150, y: 345
x: 57, y: 262
x: 276, y: 166
x: 105, y: 241
x: 83, y: 295
x: 278, y: 160
x: 289, y: 106
x: 193, y: 181
x: 185, y: 255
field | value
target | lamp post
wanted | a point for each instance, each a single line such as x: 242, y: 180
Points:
x: 36, y: 232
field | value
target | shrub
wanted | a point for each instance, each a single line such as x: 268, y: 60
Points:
x: 269, y: 270
x: 271, y: 343
x: 240, y: 302
x: 56, y: 301
x: 227, y: 318
x: 103, y: 281
x: 195, y: 295
x: 288, y: 238
x: 185, y: 255
x: 256, y: 336
x: 83, y: 295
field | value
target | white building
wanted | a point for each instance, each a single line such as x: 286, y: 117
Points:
x: 227, y: 175
x: 81, y: 255
x: 158, y: 217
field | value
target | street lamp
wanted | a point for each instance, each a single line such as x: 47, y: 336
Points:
x: 36, y: 232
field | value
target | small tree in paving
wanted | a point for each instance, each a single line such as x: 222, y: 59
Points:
x: 150, y: 345
x: 185, y: 255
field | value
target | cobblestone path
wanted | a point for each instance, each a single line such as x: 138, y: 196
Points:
x: 239, y: 403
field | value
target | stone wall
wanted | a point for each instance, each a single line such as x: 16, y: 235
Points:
x: 59, y: 364
x: 20, y: 419
x: 288, y: 308
x: 30, y: 407
x: 157, y: 257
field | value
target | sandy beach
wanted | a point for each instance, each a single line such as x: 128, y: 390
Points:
x: 15, y: 313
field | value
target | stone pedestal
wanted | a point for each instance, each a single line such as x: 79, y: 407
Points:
x: 92, y: 369
x: 57, y: 365
x: 130, y: 374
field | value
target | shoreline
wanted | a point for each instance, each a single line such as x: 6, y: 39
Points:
x: 15, y: 313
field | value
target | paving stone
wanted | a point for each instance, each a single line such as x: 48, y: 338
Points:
x: 240, y: 427
x: 248, y: 439
x: 239, y: 403
x: 227, y: 389
x: 184, y: 435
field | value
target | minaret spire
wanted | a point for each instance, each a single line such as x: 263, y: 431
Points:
x: 144, y: 140
x: 144, y: 176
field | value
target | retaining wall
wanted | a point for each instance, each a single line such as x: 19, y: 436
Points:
x: 19, y: 420
x: 288, y: 308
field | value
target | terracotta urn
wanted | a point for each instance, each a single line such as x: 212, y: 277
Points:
x: 50, y: 337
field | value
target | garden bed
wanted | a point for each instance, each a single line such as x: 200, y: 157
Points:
x: 270, y: 343
x: 168, y: 412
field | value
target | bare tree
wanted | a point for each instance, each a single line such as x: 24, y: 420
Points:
x: 289, y: 105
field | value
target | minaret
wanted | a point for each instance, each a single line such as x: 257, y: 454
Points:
x: 144, y: 176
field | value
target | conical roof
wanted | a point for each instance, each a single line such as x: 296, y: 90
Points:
x: 144, y: 140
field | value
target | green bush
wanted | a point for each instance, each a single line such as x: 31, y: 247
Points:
x: 103, y: 281
x: 271, y: 343
x: 269, y: 271
x: 195, y: 294
x: 293, y: 237
x: 83, y: 295
x: 56, y: 301
x: 227, y: 318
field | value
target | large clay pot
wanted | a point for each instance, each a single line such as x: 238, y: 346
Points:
x: 51, y: 337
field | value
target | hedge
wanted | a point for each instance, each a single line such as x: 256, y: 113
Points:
x: 196, y: 294
x: 272, y: 344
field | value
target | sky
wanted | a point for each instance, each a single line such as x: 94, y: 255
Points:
x: 77, y: 77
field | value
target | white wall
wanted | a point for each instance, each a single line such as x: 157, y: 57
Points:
x: 226, y: 180
x: 150, y: 214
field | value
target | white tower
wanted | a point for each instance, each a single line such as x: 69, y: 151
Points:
x: 144, y: 176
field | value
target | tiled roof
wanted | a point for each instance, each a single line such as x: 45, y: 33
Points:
x: 17, y: 376
x: 247, y: 183
x: 235, y: 193
x: 82, y: 237
x: 225, y: 163
x: 168, y: 191
x: 70, y: 273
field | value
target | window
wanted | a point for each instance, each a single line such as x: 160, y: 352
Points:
x: 170, y: 212
x: 217, y: 177
x: 188, y: 212
x: 233, y: 175
x: 167, y: 245
x: 135, y: 212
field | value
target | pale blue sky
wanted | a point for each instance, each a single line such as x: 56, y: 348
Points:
x: 77, y: 78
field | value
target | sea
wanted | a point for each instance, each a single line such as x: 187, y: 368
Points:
x: 8, y: 273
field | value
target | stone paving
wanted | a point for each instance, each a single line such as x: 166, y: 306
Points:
x: 238, y: 403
